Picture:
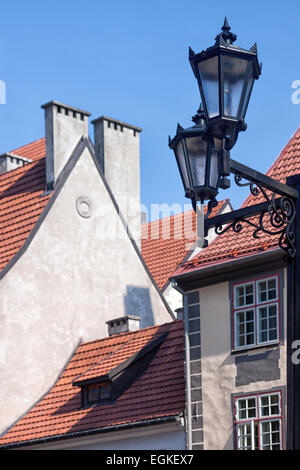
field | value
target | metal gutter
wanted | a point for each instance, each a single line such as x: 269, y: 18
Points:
x: 120, y: 427
x: 187, y: 375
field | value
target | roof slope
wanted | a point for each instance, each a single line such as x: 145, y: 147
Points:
x: 168, y: 241
x: 231, y: 245
x: 22, y: 200
x: 159, y: 392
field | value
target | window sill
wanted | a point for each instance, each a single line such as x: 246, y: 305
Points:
x: 260, y: 347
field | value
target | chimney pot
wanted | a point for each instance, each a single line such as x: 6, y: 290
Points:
x: 123, y: 324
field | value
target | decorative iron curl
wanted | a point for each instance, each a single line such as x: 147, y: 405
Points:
x: 210, y: 205
x: 281, y: 217
x: 254, y: 188
x: 236, y: 226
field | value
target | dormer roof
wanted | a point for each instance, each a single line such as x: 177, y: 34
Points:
x: 156, y: 393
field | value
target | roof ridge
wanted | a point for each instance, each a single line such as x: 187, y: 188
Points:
x: 27, y: 145
x: 128, y: 333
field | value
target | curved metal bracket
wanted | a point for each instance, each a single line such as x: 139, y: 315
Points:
x: 274, y: 217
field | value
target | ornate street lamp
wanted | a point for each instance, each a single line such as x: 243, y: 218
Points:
x: 197, y: 159
x: 225, y: 75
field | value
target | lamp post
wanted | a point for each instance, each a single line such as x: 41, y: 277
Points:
x: 225, y: 75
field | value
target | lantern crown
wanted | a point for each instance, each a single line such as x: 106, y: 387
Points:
x: 225, y: 37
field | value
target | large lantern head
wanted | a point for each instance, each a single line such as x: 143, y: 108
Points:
x: 225, y: 75
x: 197, y: 159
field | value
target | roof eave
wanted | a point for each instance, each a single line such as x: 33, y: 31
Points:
x: 224, y: 271
x: 150, y: 422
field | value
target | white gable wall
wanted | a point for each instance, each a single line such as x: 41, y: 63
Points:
x: 71, y: 279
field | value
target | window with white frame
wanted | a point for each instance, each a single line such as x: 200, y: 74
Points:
x: 256, y: 312
x: 258, y: 422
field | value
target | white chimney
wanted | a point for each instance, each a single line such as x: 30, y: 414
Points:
x: 117, y: 148
x: 123, y: 324
x: 65, y: 125
x: 11, y: 161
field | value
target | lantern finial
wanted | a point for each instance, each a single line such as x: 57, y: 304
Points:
x: 226, y: 26
x: 226, y: 37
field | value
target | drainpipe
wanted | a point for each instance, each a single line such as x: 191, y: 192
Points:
x: 187, y: 369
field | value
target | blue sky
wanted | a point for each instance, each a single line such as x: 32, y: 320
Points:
x: 129, y: 60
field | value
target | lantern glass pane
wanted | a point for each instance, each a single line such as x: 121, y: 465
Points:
x: 196, y: 150
x: 248, y: 85
x: 234, y: 70
x: 182, y: 164
x: 213, y: 177
x: 209, y: 75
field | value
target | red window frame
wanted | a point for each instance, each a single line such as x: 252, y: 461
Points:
x: 255, y: 307
x: 258, y: 418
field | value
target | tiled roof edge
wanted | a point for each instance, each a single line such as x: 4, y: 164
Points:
x: 60, y: 182
x: 219, y: 266
x: 119, y: 427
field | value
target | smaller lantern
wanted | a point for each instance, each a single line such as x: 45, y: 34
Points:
x: 225, y: 75
x: 197, y: 160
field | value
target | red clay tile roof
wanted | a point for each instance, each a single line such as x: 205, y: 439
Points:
x: 231, y: 245
x: 21, y: 200
x: 168, y: 241
x: 158, y: 393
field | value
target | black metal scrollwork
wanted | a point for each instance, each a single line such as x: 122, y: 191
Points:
x: 210, y: 205
x: 277, y: 219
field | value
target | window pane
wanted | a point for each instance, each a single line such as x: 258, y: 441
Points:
x: 250, y: 81
x: 270, y: 405
x: 246, y: 408
x: 234, y: 74
x: 93, y: 394
x: 270, y: 435
x: 267, y: 290
x: 245, y: 328
x: 244, y: 437
x: 244, y: 295
x: 272, y: 290
x: 268, y: 323
x: 196, y: 150
x: 209, y: 75
x: 182, y: 164
x: 105, y: 391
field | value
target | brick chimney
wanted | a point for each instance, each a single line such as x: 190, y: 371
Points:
x: 117, y: 148
x: 65, y: 125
